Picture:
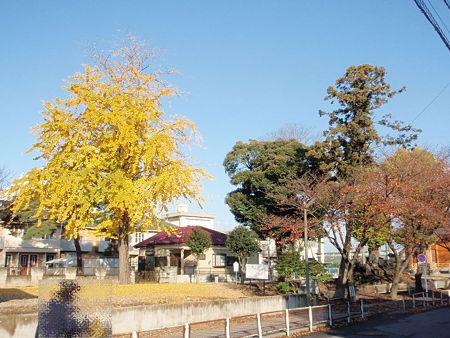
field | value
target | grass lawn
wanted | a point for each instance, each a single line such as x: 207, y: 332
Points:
x: 151, y: 293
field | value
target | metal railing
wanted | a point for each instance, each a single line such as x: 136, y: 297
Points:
x: 294, y: 320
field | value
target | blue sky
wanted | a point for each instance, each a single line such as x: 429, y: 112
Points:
x: 246, y: 68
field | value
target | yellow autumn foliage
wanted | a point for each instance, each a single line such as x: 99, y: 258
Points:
x: 111, y: 157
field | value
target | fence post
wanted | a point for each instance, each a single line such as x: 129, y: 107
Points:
x: 349, y: 312
x: 227, y: 327
x: 134, y: 334
x: 414, y: 301
x: 432, y: 297
x: 330, y: 315
x: 424, y: 301
x: 442, y: 298
x: 404, y: 304
x: 310, y: 316
x: 258, y: 322
x: 286, y: 314
x: 362, y: 308
x: 186, y: 330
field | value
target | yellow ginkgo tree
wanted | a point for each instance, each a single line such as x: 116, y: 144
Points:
x: 111, y: 157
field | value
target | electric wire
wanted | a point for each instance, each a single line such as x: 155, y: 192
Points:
x: 426, y: 12
x: 442, y: 21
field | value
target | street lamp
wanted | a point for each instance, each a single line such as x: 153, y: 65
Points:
x: 307, y: 202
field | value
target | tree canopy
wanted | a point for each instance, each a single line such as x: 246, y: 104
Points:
x: 259, y: 167
x: 349, y: 142
x: 242, y: 243
x: 111, y: 156
x: 199, y: 241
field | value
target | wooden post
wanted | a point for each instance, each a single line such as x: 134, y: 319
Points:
x: 186, y: 330
x: 286, y: 316
x: 432, y: 297
x: 442, y: 298
x: 310, y: 319
x: 258, y: 322
x: 362, y: 308
x: 330, y: 315
x: 414, y: 301
x: 423, y: 297
x: 227, y: 328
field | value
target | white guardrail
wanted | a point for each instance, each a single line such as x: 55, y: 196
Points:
x: 297, y: 319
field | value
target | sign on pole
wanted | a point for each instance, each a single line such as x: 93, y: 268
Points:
x: 422, y: 258
x: 257, y: 271
x: 236, y: 270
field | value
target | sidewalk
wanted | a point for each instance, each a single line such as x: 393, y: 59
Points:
x: 427, y: 324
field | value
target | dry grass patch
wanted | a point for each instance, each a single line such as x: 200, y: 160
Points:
x: 172, y: 293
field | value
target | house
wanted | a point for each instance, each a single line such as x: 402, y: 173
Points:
x: 168, y: 259
x: 438, y: 254
x: 21, y: 256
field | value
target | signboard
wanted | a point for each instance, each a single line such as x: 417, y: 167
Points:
x: 235, y: 267
x: 422, y: 258
x: 256, y: 271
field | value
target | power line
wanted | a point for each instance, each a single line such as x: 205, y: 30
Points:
x: 431, y: 102
x: 447, y: 3
x: 435, y: 11
x: 426, y: 12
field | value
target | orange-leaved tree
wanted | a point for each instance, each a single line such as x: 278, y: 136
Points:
x: 418, y: 188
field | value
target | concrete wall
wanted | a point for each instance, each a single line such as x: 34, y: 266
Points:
x: 140, y: 318
x: 150, y: 317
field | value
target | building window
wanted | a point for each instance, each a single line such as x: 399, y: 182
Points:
x: 33, y: 260
x: 49, y: 257
x: 138, y: 237
x: 8, y: 260
x: 219, y: 261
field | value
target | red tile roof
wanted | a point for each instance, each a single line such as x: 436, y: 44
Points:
x: 180, y: 235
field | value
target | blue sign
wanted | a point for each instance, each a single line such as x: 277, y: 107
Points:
x: 421, y: 258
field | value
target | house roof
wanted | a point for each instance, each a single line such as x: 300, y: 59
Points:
x: 180, y: 235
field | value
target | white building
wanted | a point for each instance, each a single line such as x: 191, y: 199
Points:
x: 183, y: 218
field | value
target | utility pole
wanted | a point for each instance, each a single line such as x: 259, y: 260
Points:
x: 307, y: 202
x: 305, y: 231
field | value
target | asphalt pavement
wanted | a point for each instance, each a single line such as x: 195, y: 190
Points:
x: 429, y: 324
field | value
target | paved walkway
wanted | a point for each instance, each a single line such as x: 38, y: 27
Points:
x: 429, y: 324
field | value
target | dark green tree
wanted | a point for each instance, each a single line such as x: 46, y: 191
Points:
x: 198, y: 241
x: 258, y: 168
x: 242, y: 242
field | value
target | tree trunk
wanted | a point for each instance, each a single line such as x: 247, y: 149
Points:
x: 242, y: 263
x: 372, y: 262
x: 395, y: 282
x: 76, y: 241
x: 400, y: 267
x: 342, y: 279
x: 124, y: 265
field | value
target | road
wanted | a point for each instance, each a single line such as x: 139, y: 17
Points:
x: 429, y: 324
